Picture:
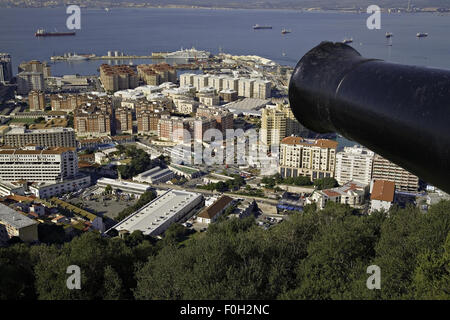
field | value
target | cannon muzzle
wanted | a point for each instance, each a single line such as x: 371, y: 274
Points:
x: 400, y: 112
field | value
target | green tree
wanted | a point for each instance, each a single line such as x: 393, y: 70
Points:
x: 325, y: 183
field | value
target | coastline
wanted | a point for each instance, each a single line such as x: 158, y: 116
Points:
x: 300, y: 10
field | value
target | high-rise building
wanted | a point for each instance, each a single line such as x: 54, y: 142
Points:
x: 147, y: 122
x: 67, y: 102
x: 5, y: 68
x: 123, y: 120
x: 306, y: 157
x: 245, y: 87
x: 27, y: 81
x: 116, y: 78
x: 278, y: 122
x: 384, y: 169
x: 187, y: 79
x: 155, y: 74
x: 35, y: 66
x: 37, y: 165
x: 262, y: 89
x: 36, y: 100
x: 200, y: 81
x: 354, y: 164
x: 54, y: 137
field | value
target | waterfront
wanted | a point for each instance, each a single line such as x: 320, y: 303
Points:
x: 142, y: 31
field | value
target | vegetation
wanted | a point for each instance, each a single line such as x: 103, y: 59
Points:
x: 271, y: 182
x: 313, y: 255
x: 143, y: 200
x: 229, y: 185
x: 140, y: 161
x: 326, y: 183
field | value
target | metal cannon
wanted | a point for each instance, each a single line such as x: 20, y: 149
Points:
x: 398, y: 111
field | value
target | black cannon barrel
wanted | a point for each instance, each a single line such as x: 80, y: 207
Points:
x: 400, y: 112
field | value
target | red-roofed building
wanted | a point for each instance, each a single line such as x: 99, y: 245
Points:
x: 351, y: 193
x: 382, y: 195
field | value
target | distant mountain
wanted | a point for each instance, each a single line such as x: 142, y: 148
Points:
x: 261, y: 4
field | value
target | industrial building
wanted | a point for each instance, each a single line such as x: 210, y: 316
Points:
x: 155, y: 175
x: 124, y: 186
x: 155, y: 217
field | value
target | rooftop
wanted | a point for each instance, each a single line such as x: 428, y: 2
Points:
x: 155, y: 213
x: 13, y: 218
x: 215, y: 208
x: 383, y: 190
x: 322, y: 143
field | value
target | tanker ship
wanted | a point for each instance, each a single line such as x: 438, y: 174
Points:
x: 43, y: 33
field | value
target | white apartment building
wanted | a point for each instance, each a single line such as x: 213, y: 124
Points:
x: 32, y: 164
x: 262, y: 89
x: 45, y: 190
x: 351, y: 193
x: 245, y: 87
x: 354, y: 163
x: 307, y: 157
x: 230, y: 84
x: 53, y: 137
x: 187, y: 79
x: 201, y: 81
x: 384, y: 169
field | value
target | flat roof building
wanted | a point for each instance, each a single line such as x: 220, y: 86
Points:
x: 54, y: 137
x: 155, y: 217
x: 124, y: 186
x: 14, y: 224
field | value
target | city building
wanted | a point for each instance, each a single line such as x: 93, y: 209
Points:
x: 156, y: 216
x: 228, y: 95
x: 262, y: 89
x: 154, y: 175
x: 156, y: 74
x: 46, y: 190
x: 384, y: 169
x: 14, y: 224
x: 114, y: 78
x: 307, y: 157
x: 186, y: 79
x: 36, y: 100
x: 93, y: 122
x: 27, y: 81
x: 123, y: 120
x: 12, y: 188
x: 147, y: 122
x: 124, y: 186
x: 35, y: 66
x: 36, y: 165
x: 214, y: 211
x: 174, y: 129
x: 185, y: 171
x: 5, y: 68
x: 245, y: 87
x: 67, y: 102
x: 351, y: 193
x: 382, y: 195
x: 200, y: 81
x: 354, y: 163
x: 54, y: 137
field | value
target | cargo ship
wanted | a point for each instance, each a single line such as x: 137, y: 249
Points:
x: 43, y: 33
x: 257, y: 26
x: 421, y: 35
